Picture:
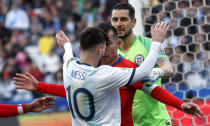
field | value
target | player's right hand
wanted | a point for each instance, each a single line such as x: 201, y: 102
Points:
x: 27, y: 82
x: 191, y: 108
x: 159, y: 31
x: 61, y: 38
x: 41, y: 104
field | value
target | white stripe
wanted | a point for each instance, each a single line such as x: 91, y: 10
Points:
x: 20, y: 109
x: 148, y: 88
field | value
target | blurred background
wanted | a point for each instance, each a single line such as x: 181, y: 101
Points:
x: 27, y: 43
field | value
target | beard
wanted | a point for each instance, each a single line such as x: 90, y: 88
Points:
x: 126, y: 34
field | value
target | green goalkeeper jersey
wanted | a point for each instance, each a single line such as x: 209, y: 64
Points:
x: 146, y: 110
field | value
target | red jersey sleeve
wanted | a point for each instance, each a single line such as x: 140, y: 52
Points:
x: 10, y: 110
x: 53, y: 89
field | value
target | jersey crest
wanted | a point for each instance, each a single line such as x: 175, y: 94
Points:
x: 139, y: 59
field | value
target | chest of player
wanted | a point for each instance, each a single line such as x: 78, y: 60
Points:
x: 137, y: 53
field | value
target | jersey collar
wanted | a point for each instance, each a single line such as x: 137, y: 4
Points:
x: 118, y: 61
x: 78, y: 62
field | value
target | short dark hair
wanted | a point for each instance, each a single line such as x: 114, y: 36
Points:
x: 91, y: 37
x: 127, y: 6
x: 106, y: 26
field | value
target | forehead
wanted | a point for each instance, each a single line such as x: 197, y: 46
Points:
x: 120, y: 13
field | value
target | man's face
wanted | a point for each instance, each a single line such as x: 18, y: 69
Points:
x: 111, y: 49
x: 121, y: 20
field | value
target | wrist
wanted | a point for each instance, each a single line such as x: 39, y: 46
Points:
x: 160, y: 72
x: 22, y: 108
x: 66, y: 45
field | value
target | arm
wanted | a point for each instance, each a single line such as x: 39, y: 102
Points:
x: 29, y: 82
x: 37, y: 105
x: 12, y: 110
x: 158, y: 35
x: 166, y: 97
x: 57, y: 90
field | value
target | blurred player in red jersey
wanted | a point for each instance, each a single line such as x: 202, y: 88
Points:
x: 37, y: 105
x: 111, y: 57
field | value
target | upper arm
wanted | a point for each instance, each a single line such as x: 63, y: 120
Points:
x: 118, y: 77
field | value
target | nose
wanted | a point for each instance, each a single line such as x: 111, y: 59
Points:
x: 118, y: 23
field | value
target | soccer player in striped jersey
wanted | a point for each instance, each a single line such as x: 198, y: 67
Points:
x: 37, y: 105
x: 127, y: 94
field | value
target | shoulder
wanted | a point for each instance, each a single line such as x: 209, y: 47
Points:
x: 128, y: 63
x: 125, y: 63
x: 145, y: 41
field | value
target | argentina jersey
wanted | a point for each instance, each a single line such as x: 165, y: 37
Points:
x: 93, y: 93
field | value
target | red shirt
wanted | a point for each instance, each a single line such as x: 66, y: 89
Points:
x: 10, y: 110
x: 126, y: 93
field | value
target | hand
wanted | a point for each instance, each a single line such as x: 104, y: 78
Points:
x: 27, y: 82
x: 159, y: 31
x: 154, y: 75
x: 191, y: 108
x: 61, y: 38
x: 41, y: 104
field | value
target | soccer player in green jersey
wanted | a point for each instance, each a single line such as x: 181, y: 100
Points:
x: 146, y: 111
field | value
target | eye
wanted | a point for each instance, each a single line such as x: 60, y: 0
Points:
x: 114, y: 19
x: 124, y: 19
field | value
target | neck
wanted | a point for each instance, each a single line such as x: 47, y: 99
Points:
x: 127, y: 42
x: 91, y: 60
x: 113, y: 61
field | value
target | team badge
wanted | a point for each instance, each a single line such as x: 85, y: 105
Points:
x: 139, y: 59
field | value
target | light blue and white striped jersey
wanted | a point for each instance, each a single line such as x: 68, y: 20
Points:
x: 93, y: 93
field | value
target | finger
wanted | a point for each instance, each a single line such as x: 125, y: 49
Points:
x: 161, y: 26
x: 18, y: 79
x: 21, y: 76
x: 20, y: 87
x: 50, y: 98
x: 166, y: 29
x: 198, y: 110
x: 187, y: 106
x: 48, y: 106
x: 29, y: 75
x: 50, y: 103
x: 198, y: 115
x: 157, y: 26
x: 18, y: 83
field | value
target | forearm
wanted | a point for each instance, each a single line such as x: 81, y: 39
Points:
x: 57, y: 90
x: 145, y: 69
x: 12, y: 110
x: 166, y: 97
x: 166, y: 66
x: 68, y: 52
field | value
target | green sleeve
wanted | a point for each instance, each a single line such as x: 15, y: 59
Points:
x: 147, y: 43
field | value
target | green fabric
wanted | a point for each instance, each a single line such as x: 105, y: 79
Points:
x: 146, y: 110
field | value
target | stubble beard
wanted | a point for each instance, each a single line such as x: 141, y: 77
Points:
x: 126, y: 34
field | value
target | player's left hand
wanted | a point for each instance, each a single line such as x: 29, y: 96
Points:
x: 41, y: 104
x: 191, y: 108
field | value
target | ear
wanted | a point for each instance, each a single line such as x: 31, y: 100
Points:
x: 119, y: 42
x: 98, y: 50
x: 133, y: 22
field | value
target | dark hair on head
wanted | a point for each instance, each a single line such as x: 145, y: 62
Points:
x: 106, y: 26
x: 127, y: 6
x: 91, y: 37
